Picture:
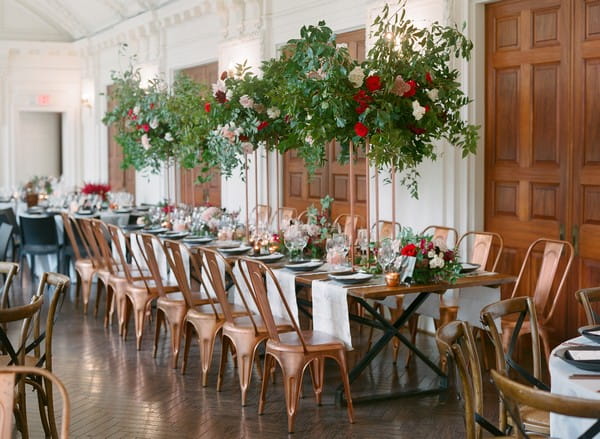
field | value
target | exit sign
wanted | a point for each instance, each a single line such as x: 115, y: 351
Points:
x: 42, y: 100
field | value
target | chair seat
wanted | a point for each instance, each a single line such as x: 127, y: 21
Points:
x: 40, y: 249
x: 30, y: 360
x: 245, y: 323
x: 208, y: 312
x: 177, y: 296
x: 152, y: 285
x: 537, y: 421
x: 315, y: 341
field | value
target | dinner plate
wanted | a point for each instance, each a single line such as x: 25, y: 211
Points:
x: 131, y: 227
x: 197, y: 239
x: 173, y: 235
x: 591, y: 365
x: 269, y: 258
x: 468, y: 267
x: 155, y: 230
x: 84, y: 212
x: 235, y: 250
x: 128, y: 210
x: 591, y: 332
x: 304, y: 266
x: 142, y: 208
x: 354, y: 278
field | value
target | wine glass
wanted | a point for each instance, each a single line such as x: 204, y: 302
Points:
x: 386, y: 255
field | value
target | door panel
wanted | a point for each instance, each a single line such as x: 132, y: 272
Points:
x: 191, y: 192
x: 119, y: 179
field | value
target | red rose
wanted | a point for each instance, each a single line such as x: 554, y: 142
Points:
x: 362, y: 97
x: 428, y: 77
x: 152, y: 106
x: 207, y: 107
x: 243, y: 138
x: 221, y: 97
x: 224, y: 75
x: 373, y: 82
x: 361, y: 108
x: 413, y: 88
x: 360, y: 129
x: 427, y: 108
x: 130, y: 112
x: 417, y: 130
x: 448, y: 256
x: 409, y: 250
x: 133, y: 117
x: 146, y: 127
x: 262, y: 125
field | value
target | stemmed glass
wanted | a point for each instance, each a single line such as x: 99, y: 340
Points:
x: 341, y: 244
x: 386, y: 254
x: 363, y: 241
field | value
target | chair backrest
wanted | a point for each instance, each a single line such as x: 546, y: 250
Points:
x: 448, y: 235
x: 38, y: 230
x: 89, y: 237
x: 256, y: 282
x: 7, y: 396
x: 588, y: 298
x: 262, y: 212
x: 6, y: 231
x: 347, y: 224
x: 102, y: 234
x: 208, y: 261
x: 523, y: 308
x: 281, y: 217
x: 7, y: 215
x: 544, y: 296
x: 26, y: 314
x: 455, y: 341
x: 481, y: 246
x: 302, y: 216
x: 146, y: 243
x: 517, y: 395
x: 386, y: 229
x: 60, y: 284
x: 73, y: 234
x: 9, y: 271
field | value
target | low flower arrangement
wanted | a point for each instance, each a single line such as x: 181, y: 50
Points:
x: 101, y: 189
x: 434, y: 261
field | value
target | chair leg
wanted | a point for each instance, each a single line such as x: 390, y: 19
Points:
x: 317, y: 371
x: 186, y: 348
x: 160, y: 316
x: 225, y: 342
x: 108, y: 312
x: 139, y: 318
x: 245, y: 360
x: 42, y: 404
x: 269, y: 363
x: 206, y: 340
x: 341, y: 360
x: 98, y: 297
x: 176, y: 328
x: 77, y: 287
x: 292, y: 383
x: 50, y: 405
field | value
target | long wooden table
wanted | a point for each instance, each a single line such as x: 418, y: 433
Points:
x: 389, y: 329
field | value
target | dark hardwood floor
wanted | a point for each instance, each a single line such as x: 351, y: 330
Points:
x: 119, y: 392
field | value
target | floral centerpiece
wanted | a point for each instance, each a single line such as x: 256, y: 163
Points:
x: 101, y: 189
x: 434, y: 261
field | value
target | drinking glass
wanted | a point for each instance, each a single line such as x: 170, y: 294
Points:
x: 386, y: 255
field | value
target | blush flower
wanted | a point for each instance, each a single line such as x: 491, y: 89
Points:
x: 356, y: 76
x: 418, y: 110
x: 246, y: 101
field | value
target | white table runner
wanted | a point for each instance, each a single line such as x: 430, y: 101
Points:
x: 330, y: 310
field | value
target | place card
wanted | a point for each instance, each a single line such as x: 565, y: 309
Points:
x: 585, y: 355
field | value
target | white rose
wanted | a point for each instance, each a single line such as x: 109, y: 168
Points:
x: 308, y: 139
x: 418, y: 111
x: 247, y: 147
x: 433, y: 94
x: 154, y: 123
x: 168, y: 137
x: 228, y: 95
x: 356, y: 76
x: 219, y: 86
x: 431, y: 254
x: 273, y: 112
x: 146, y: 141
x: 246, y: 101
x: 436, y: 262
x: 136, y: 109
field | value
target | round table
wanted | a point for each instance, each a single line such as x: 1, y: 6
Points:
x: 560, y: 371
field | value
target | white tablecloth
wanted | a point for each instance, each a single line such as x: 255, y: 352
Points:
x: 564, y: 427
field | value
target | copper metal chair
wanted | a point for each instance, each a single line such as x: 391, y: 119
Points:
x: 523, y: 308
x: 588, y: 297
x: 545, y: 297
x: 283, y: 216
x: 263, y: 212
x: 102, y: 271
x: 84, y: 267
x: 443, y: 233
x: 242, y: 334
x: 26, y: 315
x: 517, y: 395
x: 455, y: 341
x: 8, y: 270
x: 205, y: 319
x: 8, y: 376
x: 345, y: 223
x: 387, y: 229
x: 294, y: 351
x: 171, y: 307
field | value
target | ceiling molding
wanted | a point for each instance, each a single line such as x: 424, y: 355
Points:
x: 57, y: 15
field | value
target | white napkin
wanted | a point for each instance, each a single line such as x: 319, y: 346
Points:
x: 330, y: 310
x: 287, y: 281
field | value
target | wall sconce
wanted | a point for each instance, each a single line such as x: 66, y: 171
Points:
x: 86, y: 101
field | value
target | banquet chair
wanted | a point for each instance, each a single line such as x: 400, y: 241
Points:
x: 293, y: 351
x: 456, y: 342
x: 588, y: 297
x: 348, y: 225
x: 448, y: 235
x: 241, y: 333
x: 39, y: 237
x: 516, y: 395
x: 522, y: 307
x: 204, y: 315
x: 140, y: 290
x: 11, y: 376
x: 73, y: 248
x: 25, y: 314
x: 556, y: 262
x: 8, y: 270
x: 302, y: 216
x: 101, y: 269
x: 7, y: 216
x: 170, y: 306
x: 6, y: 236
x: 386, y: 229
x: 262, y: 212
x: 282, y: 217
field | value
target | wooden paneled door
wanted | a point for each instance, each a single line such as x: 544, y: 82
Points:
x: 300, y: 191
x: 191, y: 192
x: 542, y: 134
x: 119, y: 179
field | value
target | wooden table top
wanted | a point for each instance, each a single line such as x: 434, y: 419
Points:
x: 383, y: 291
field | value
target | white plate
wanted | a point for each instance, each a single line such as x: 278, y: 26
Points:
x: 468, y: 267
x: 197, y: 239
x: 353, y: 278
x: 304, y: 266
x: 173, y: 235
x: 235, y: 250
x: 269, y: 258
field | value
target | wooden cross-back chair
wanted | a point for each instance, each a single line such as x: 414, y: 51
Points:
x: 455, y: 341
x: 516, y: 396
x: 589, y: 298
x: 556, y: 262
x: 8, y: 270
x: 294, y: 351
x: 520, y: 310
x: 13, y: 374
